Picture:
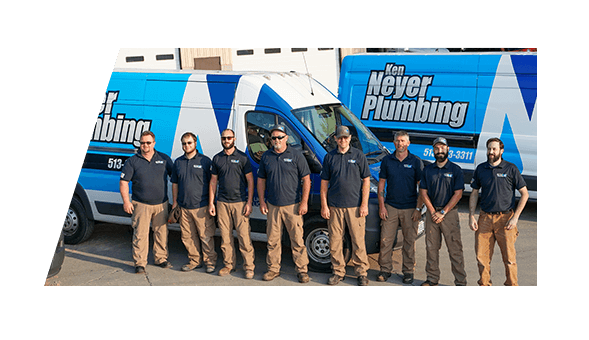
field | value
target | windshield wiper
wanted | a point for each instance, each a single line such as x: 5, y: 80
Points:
x: 374, y: 153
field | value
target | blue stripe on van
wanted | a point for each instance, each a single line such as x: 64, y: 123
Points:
x: 525, y: 68
x: 222, y: 92
x: 269, y: 98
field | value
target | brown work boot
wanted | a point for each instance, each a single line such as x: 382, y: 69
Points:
x: 270, y: 275
x: 303, y: 277
x: 362, y: 280
x: 225, y: 271
x: 429, y: 283
x: 383, y: 276
x: 335, y: 279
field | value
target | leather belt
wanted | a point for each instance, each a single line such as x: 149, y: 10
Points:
x: 499, y: 212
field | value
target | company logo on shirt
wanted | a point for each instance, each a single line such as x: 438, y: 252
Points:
x: 198, y: 166
x: 449, y: 175
x: 287, y: 160
x: 236, y: 161
x: 352, y: 161
x: 502, y: 175
x: 408, y: 166
x: 159, y: 162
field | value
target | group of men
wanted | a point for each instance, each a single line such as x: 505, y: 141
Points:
x: 224, y: 186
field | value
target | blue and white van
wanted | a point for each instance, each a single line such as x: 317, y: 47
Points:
x: 170, y: 103
x: 465, y: 97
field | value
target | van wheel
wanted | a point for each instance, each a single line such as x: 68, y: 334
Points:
x: 77, y: 227
x: 316, y: 239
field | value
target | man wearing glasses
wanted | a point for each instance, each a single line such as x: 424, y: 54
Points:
x: 233, y: 172
x: 148, y: 170
x: 190, y: 190
x: 281, y: 171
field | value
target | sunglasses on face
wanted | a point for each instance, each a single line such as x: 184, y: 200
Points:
x: 148, y: 143
x: 278, y: 137
x: 187, y: 143
x: 227, y: 138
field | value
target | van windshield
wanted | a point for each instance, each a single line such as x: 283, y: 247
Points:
x: 322, y: 120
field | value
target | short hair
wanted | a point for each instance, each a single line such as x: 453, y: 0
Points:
x: 401, y: 133
x: 495, y: 139
x: 232, y: 132
x: 189, y: 134
x: 148, y: 133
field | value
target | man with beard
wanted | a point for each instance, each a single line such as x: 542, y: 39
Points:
x: 400, y: 172
x: 282, y: 169
x: 190, y: 190
x: 233, y: 171
x: 441, y: 187
x: 497, y: 221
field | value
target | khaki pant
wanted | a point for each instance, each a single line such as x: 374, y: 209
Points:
x: 229, y: 216
x: 145, y: 215
x: 340, y: 217
x: 388, y: 233
x: 491, y: 229
x: 450, y: 228
x: 293, y: 223
x: 198, y: 231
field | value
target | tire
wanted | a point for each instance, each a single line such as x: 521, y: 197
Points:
x: 77, y: 228
x: 316, y: 239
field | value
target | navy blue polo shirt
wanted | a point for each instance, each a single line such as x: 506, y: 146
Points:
x: 149, y: 179
x: 498, y: 185
x: 345, y: 173
x: 192, y: 176
x: 441, y: 183
x: 283, y: 173
x: 402, y: 178
x: 231, y: 171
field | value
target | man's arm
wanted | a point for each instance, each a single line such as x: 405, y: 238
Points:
x: 124, y: 190
x: 212, y: 192
x: 247, y: 210
x: 520, y: 208
x: 382, y: 210
x: 324, y: 205
x: 472, y: 207
x: 174, y: 195
x: 303, y: 205
x: 365, y: 196
x: 261, y: 189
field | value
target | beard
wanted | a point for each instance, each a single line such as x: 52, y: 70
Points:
x: 493, y: 158
x: 227, y: 147
x: 441, y: 156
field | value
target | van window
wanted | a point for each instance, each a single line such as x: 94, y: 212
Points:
x: 258, y: 133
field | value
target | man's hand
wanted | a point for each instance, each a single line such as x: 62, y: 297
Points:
x: 303, y: 207
x: 473, y: 224
x: 263, y: 208
x: 325, y: 213
x: 363, y: 210
x: 247, y: 209
x: 128, y: 207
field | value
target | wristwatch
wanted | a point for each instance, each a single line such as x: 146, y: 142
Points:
x: 443, y: 212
